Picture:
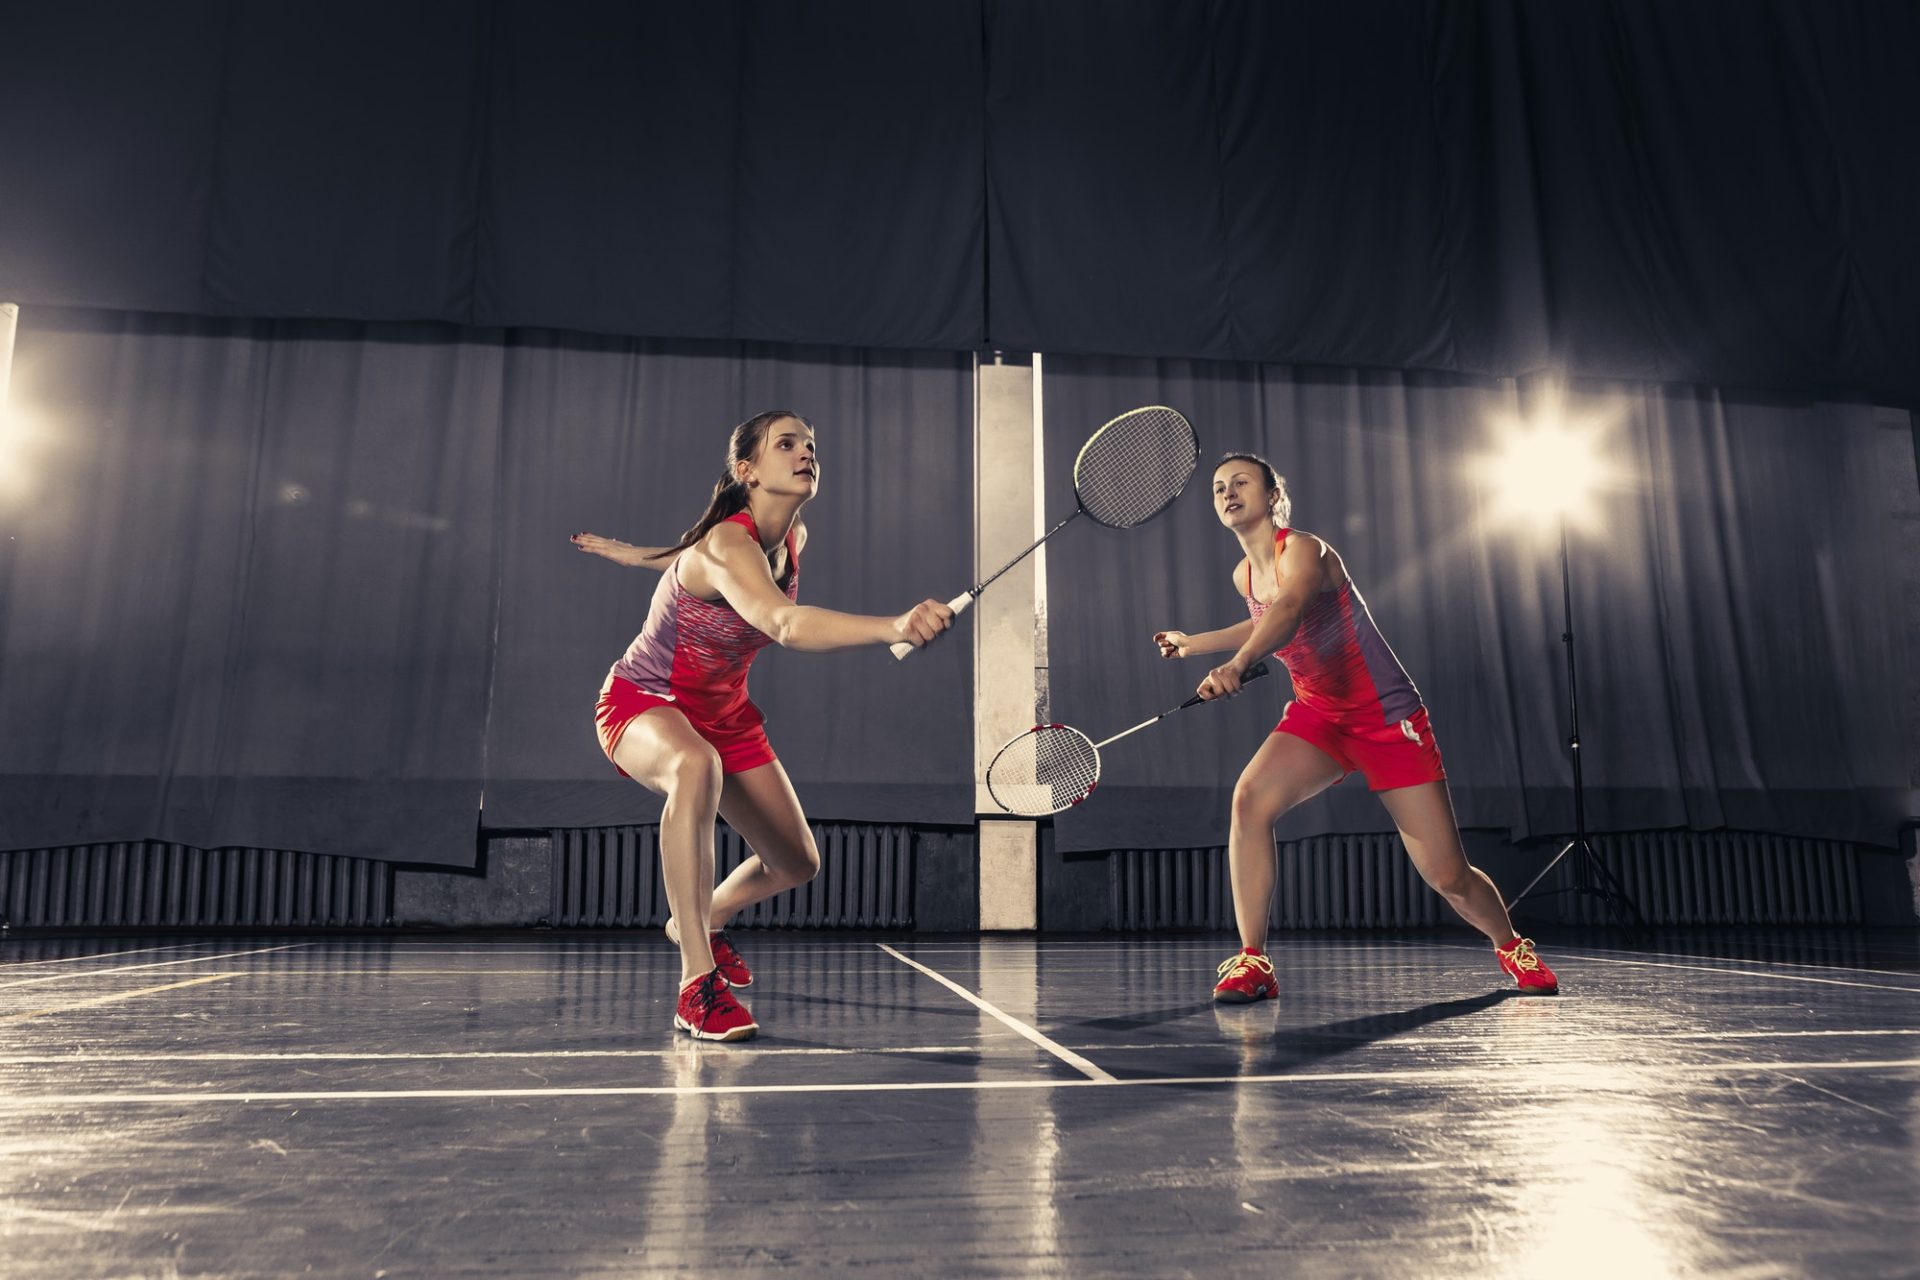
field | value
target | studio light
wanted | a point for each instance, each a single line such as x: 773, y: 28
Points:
x: 1545, y: 469
x: 1546, y: 472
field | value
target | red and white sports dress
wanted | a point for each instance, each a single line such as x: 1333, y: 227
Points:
x: 693, y: 654
x: 1351, y: 697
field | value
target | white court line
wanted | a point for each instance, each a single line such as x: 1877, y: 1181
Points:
x: 1398, y: 1042
x: 308, y: 969
x: 789, y: 944
x: 158, y: 964
x: 1059, y: 1051
x: 118, y: 995
x: 684, y: 1051
x: 97, y: 955
x: 1590, y: 1076
x: 1791, y: 964
x: 1146, y: 943
x: 1742, y: 973
x: 481, y: 971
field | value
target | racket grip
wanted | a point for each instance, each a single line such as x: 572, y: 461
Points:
x: 959, y: 604
x: 1253, y: 673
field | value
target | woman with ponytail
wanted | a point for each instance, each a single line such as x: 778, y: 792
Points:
x: 674, y: 713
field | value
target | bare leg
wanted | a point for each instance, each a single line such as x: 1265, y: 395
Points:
x: 1424, y: 815
x: 661, y: 751
x: 761, y: 806
x: 1283, y: 772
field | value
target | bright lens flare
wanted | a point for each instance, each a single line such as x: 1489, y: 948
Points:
x: 21, y: 437
x: 1546, y: 470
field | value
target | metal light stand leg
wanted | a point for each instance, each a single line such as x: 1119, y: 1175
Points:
x: 1591, y: 876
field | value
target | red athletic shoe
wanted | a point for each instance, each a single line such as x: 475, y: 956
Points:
x: 1245, y: 978
x: 708, y: 1010
x: 726, y: 957
x: 1528, y: 969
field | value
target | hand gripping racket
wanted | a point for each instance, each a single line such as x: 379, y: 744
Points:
x: 1128, y: 472
x: 1052, y: 767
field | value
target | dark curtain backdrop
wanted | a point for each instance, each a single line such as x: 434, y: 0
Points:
x: 1709, y: 192
x: 1743, y: 661
x: 1719, y: 191
x: 306, y: 585
x: 726, y: 169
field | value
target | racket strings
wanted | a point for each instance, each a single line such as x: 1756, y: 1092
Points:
x: 1134, y: 466
x: 1044, y: 771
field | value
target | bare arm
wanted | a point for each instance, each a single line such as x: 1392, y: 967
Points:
x: 1178, y: 644
x: 625, y: 553
x: 731, y: 563
x: 1302, y: 573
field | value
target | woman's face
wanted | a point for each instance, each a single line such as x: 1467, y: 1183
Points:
x: 1240, y: 494
x: 788, y: 463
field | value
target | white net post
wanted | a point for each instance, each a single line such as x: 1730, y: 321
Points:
x: 1009, y: 630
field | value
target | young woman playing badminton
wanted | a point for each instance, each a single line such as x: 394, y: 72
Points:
x: 674, y: 713
x: 1354, y: 711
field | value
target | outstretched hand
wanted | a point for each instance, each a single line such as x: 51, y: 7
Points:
x: 612, y: 548
x: 1173, y: 644
x: 920, y: 624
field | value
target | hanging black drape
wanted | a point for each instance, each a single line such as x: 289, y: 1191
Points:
x: 1718, y: 191
x: 1737, y: 604
x: 802, y: 173
x: 1704, y: 191
x: 305, y: 585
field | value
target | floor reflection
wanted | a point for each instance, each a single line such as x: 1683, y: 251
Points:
x: 435, y: 1106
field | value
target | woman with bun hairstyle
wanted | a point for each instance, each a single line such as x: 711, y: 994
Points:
x: 1354, y: 710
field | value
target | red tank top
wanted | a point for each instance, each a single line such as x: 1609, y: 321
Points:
x: 1338, y: 659
x: 697, y: 651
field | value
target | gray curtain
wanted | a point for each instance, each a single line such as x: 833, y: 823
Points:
x: 626, y: 438
x: 1743, y: 656
x: 306, y: 585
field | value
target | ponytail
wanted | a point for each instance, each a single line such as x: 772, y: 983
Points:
x: 729, y: 499
x: 729, y: 491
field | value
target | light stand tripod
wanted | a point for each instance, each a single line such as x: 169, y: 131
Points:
x: 1591, y: 876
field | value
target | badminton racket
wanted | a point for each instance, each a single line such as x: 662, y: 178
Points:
x: 1128, y: 472
x: 1052, y: 767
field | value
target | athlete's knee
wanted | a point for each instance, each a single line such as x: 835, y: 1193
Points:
x: 1454, y: 880
x: 789, y: 863
x: 806, y: 862
x: 1255, y: 805
x: 695, y: 776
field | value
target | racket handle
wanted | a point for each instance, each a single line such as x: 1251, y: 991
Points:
x: 1252, y: 673
x: 901, y: 648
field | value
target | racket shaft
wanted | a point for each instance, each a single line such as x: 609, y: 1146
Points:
x: 1031, y: 548
x: 902, y: 648
x: 1144, y: 724
x: 1255, y: 672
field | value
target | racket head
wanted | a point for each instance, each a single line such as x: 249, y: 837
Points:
x: 1048, y: 768
x: 1132, y: 469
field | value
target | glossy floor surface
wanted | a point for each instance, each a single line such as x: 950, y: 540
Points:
x: 518, y: 1105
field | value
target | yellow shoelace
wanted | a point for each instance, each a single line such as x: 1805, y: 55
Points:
x: 1521, y: 954
x: 1235, y: 966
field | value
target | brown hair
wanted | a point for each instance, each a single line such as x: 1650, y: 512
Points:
x: 1281, y: 507
x: 729, y: 492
